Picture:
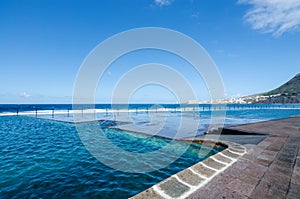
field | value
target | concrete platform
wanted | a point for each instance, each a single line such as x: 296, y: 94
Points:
x: 269, y: 169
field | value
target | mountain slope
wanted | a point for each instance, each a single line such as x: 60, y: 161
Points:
x: 286, y: 93
x: 292, y: 87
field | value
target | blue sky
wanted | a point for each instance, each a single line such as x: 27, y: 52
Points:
x: 254, y: 43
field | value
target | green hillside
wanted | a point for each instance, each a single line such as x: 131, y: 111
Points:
x: 287, y: 93
x: 291, y: 87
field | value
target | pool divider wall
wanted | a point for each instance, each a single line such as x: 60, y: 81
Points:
x: 186, y: 182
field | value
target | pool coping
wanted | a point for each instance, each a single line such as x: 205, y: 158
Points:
x: 189, y: 180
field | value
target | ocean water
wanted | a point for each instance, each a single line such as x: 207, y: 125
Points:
x: 249, y: 111
x: 143, y: 114
x: 46, y: 159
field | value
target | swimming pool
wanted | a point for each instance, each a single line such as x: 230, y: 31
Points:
x: 42, y: 158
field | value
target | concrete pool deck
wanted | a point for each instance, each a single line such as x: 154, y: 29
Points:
x: 269, y: 169
x: 262, y: 161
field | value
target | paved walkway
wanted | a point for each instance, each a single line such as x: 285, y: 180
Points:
x: 270, y: 169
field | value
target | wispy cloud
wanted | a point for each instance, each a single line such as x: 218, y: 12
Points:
x: 196, y: 14
x: 163, y: 2
x: 24, y: 94
x: 273, y: 16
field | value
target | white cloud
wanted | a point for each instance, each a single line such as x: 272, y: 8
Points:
x: 163, y: 2
x: 196, y: 14
x: 24, y: 94
x: 273, y: 16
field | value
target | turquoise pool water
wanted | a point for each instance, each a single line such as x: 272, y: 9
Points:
x: 46, y: 159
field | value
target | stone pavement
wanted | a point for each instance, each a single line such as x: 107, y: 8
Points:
x: 270, y: 169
